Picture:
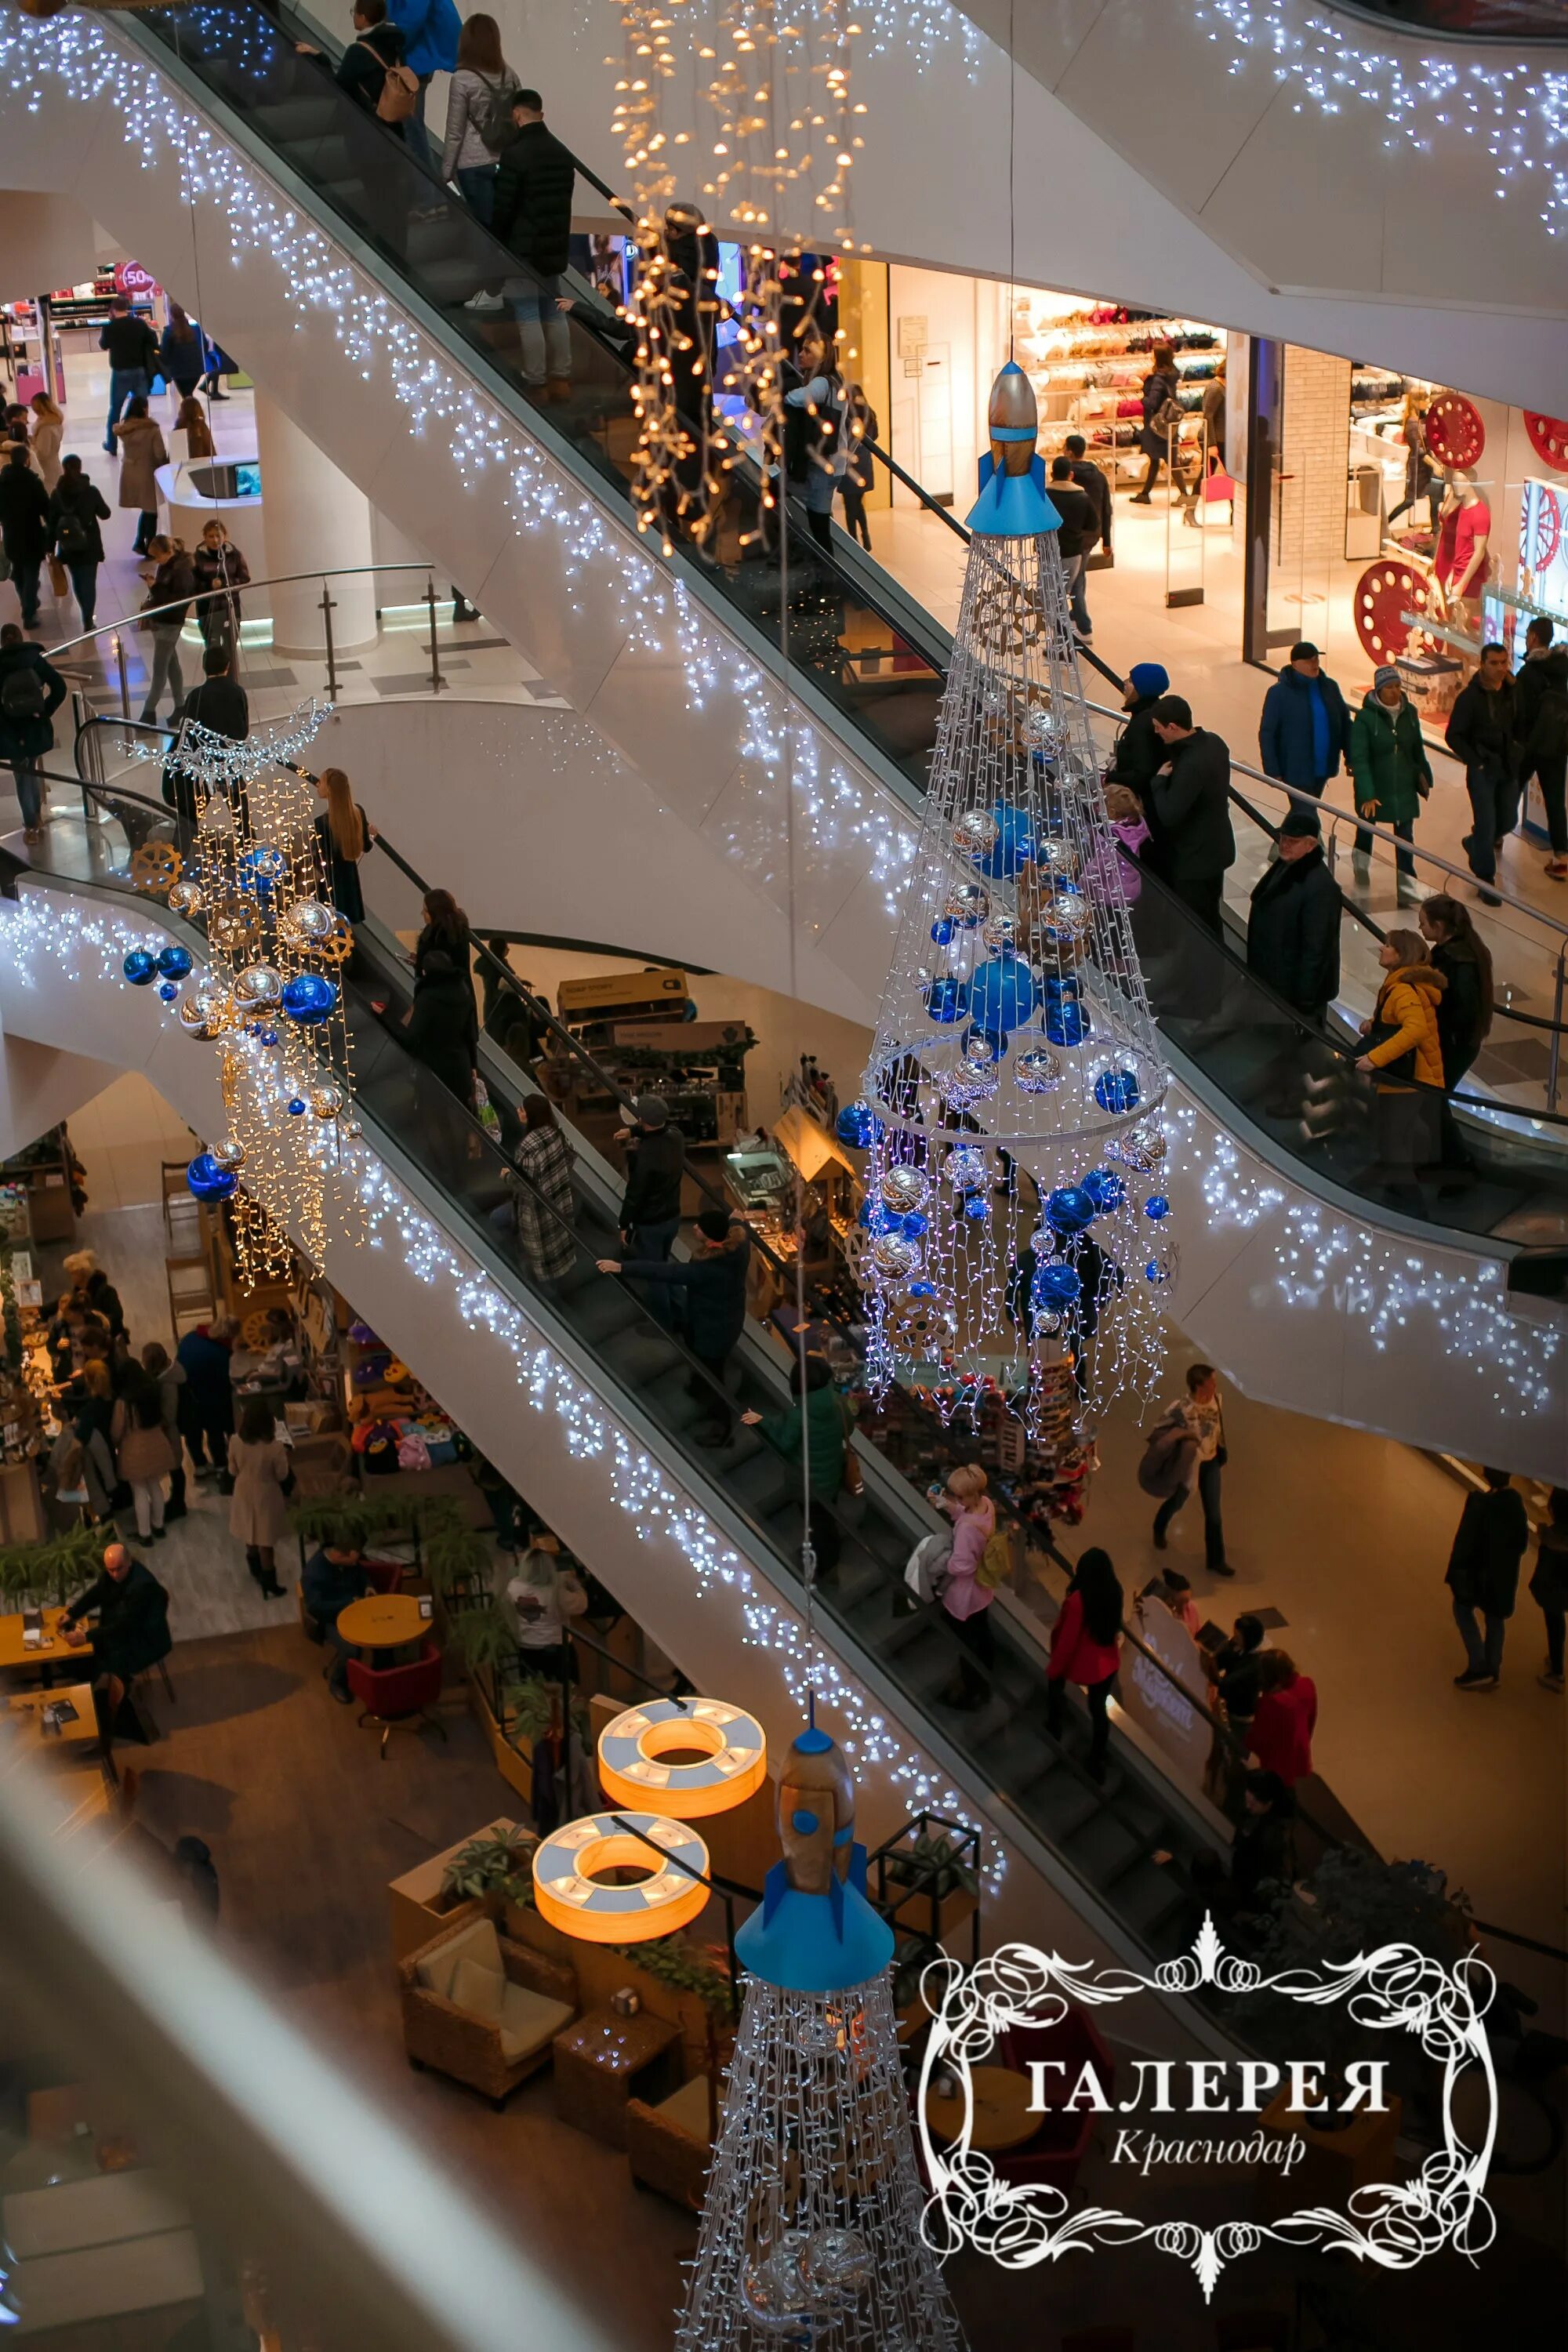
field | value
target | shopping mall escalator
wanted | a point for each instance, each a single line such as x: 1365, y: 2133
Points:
x: 1103, y: 1835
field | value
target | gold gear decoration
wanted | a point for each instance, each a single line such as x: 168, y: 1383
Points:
x: 155, y: 869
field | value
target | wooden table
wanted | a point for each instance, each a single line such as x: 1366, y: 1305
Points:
x: 1002, y: 2115
x: 603, y: 2061
x: 25, y: 1722
x: 55, y: 1652
x: 382, y: 1620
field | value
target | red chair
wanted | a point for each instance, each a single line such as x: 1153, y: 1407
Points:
x: 391, y: 1696
x: 386, y: 1575
x: 1053, y: 2155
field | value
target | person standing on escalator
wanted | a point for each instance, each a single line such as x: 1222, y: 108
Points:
x: 378, y: 47
x: 650, y: 1212
x: 815, y: 434
x: 1191, y: 823
x: 534, y: 180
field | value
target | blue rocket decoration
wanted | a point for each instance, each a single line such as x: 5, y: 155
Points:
x: 814, y: 1930
x: 1012, y: 501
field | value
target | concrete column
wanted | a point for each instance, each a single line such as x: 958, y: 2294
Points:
x: 312, y: 516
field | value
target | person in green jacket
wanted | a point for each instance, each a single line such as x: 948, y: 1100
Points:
x: 823, y: 1417
x: 1393, y: 774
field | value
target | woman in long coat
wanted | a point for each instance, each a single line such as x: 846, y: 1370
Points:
x: 258, y: 1513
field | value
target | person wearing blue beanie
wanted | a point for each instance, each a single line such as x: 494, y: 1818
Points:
x: 1139, y: 751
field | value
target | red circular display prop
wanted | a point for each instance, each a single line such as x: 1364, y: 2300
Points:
x: 130, y: 278
x: 1386, y: 592
x: 1548, y: 533
x: 1548, y: 438
x: 1455, y: 433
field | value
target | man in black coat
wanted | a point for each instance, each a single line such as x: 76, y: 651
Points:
x: 132, y: 1630
x: 1191, y: 792
x: 1090, y: 479
x: 650, y: 1212
x: 1483, y: 1575
x: 715, y: 1282
x: 1079, y: 531
x: 31, y: 691
x: 1481, y: 732
x: 1540, y: 723
x: 533, y: 186
x: 221, y: 704
x: 1293, y: 930
x: 24, y: 529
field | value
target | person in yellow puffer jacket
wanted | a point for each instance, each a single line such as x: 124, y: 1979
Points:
x: 1406, y: 1011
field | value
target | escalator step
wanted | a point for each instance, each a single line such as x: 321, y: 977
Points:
x: 1103, y: 1848
x: 639, y: 1358
x: 599, y: 1315
x: 1059, y: 1803
x: 1152, y: 1901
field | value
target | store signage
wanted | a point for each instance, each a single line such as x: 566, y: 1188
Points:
x: 1163, y: 2122
x: 129, y: 277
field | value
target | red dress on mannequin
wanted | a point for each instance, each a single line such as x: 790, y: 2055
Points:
x: 1456, y: 536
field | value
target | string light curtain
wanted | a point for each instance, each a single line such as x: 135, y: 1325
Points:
x: 1011, y: 1112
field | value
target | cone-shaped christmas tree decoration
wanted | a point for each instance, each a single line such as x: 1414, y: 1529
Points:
x: 1014, y: 1212
x: 811, y: 2224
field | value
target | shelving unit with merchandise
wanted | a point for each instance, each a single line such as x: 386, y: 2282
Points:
x: 1086, y: 362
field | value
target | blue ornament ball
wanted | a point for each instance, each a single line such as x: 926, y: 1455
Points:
x: 295, y: 1107
x: 269, y: 1036
x: 1013, y: 846
x: 167, y: 990
x: 943, y: 931
x: 174, y: 962
x: 309, y: 999
x: 1117, y: 1091
x: 1157, y: 1207
x: 1002, y: 995
x: 1066, y: 1022
x: 1057, y: 1285
x: 915, y: 1227
x: 922, y: 1290
x: 1070, y: 1209
x: 878, y: 1219
x: 977, y: 1206
x: 207, y: 1180
x: 1158, y: 1270
x: 947, y: 999
x: 1105, y: 1189
x: 859, y: 1124
x: 140, y: 967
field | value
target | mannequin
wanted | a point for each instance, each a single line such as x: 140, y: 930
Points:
x: 1462, y: 562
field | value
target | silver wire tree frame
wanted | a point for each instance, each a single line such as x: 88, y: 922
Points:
x: 1014, y: 1028
x: 811, y: 2224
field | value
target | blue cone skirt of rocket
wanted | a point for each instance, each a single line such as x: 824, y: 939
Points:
x: 1012, y: 501
x: 814, y: 1930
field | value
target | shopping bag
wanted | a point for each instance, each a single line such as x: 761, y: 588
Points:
x: 1220, y: 489
x: 60, y: 578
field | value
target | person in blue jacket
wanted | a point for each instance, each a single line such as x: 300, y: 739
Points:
x: 429, y: 30
x: 1305, y: 729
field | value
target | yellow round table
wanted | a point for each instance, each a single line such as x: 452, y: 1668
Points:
x: 1002, y: 2115
x: 382, y: 1620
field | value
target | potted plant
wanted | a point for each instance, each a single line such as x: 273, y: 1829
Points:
x: 491, y: 1870
x: 1355, y: 1902
x: 942, y: 1888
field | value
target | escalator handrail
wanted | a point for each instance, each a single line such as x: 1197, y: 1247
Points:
x: 130, y: 621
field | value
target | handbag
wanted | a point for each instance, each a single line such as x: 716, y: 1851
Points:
x: 1220, y: 489
x: 1379, y: 1035
x: 60, y: 578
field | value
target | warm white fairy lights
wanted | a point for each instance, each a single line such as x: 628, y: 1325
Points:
x: 47, y: 941
x: 652, y: 607
x: 1517, y: 111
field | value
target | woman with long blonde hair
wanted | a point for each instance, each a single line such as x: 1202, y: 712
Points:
x: 48, y: 430
x: 344, y: 835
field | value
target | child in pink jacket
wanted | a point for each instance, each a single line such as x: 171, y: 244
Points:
x: 966, y: 1601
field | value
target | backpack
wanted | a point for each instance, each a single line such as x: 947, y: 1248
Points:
x: 995, y: 1562
x: 492, y: 118
x: 71, y: 533
x: 399, y: 88
x: 22, y: 695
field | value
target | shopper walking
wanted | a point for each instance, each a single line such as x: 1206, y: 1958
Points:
x: 1457, y: 952
x: 1287, y: 1717
x: 534, y: 180
x: 218, y: 364
x: 345, y: 837
x: 478, y: 122
x: 1092, y: 479
x: 1420, y: 480
x: 1389, y: 769
x: 1162, y: 419
x: 49, y: 432
x: 1212, y: 406
x: 1482, y: 731
x: 1305, y: 729
x: 143, y: 1451
x: 258, y: 1513
x: 1403, y: 1051
x: 31, y: 691
x: 1200, y: 1414
x: 207, y: 1399
x: 544, y: 1203
x: 168, y: 1379
x: 182, y: 354
x: 1548, y: 1585
x: 650, y: 1210
x: 1079, y: 531
x: 1293, y: 928
x: 221, y: 572
x: 1191, y: 800
x: 965, y: 1599
x: 77, y: 509
x: 1541, y: 724
x: 859, y: 465
x: 133, y: 349
x: 141, y: 451
x: 168, y: 596
x: 817, y: 1421
x: 1086, y: 1650
x: 1483, y: 1575
x: 24, y: 529
x: 714, y: 1286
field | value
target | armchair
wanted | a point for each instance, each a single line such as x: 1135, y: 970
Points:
x: 391, y: 1695
x: 482, y: 2010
